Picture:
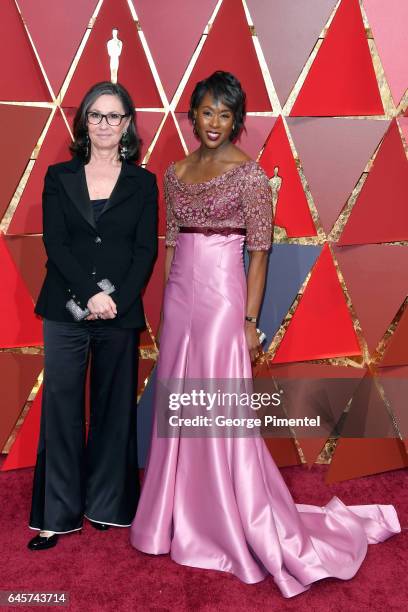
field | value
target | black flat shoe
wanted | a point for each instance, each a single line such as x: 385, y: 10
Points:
x: 100, y: 526
x: 43, y: 542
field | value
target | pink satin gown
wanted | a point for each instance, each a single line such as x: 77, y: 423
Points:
x: 221, y: 503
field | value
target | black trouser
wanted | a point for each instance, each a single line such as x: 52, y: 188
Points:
x: 97, y: 478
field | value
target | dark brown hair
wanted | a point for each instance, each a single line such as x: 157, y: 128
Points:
x: 79, y: 146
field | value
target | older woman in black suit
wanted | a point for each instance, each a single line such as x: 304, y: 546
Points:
x: 100, y: 224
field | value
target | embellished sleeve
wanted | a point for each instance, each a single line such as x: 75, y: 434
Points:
x: 258, y: 212
x: 172, y: 227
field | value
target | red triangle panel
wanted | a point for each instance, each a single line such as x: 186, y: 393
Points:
x: 321, y: 326
x: 292, y: 211
x: 23, y: 453
x: 27, y: 218
x: 21, y: 76
x: 396, y: 353
x: 29, y: 255
x: 173, y: 45
x: 18, y: 324
x: 380, y: 213
x: 56, y: 45
x: 18, y: 374
x: 21, y: 127
x: 376, y: 278
x: 341, y: 80
x: 134, y: 71
x: 229, y: 47
x: 147, y: 126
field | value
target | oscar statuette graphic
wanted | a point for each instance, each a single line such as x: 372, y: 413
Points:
x: 114, y: 46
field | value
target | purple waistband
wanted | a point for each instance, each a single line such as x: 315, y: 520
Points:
x: 210, y: 231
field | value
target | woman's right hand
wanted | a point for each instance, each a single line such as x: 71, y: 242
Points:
x: 102, y: 306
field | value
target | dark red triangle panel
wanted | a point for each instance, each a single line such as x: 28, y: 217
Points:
x: 304, y: 385
x: 168, y: 149
x: 380, y: 213
x: 21, y: 76
x: 21, y: 127
x: 18, y: 324
x: 173, y: 45
x: 229, y: 47
x: 27, y: 218
x: 134, y: 71
x: 396, y: 352
x: 292, y: 211
x: 341, y: 80
x: 376, y: 278
x: 29, y: 255
x: 147, y: 126
x: 57, y: 44
x: 395, y: 384
x: 333, y: 153
x: 23, y: 453
x: 321, y: 326
x: 18, y: 374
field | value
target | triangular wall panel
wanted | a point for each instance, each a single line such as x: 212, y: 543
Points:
x: 56, y: 45
x: 134, y: 71
x: 396, y: 352
x: 388, y: 25
x: 18, y: 374
x: 288, y: 31
x: 395, y: 384
x: 288, y: 266
x: 380, y: 212
x: 147, y: 126
x: 333, y: 154
x: 18, y: 58
x: 23, y: 453
x: 315, y: 390
x: 21, y: 127
x: 173, y: 45
x: 27, y: 218
x: 376, y: 278
x: 321, y: 326
x: 292, y: 210
x: 229, y: 47
x: 29, y: 256
x: 18, y: 324
x: 341, y: 80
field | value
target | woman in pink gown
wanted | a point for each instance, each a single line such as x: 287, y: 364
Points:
x: 220, y: 502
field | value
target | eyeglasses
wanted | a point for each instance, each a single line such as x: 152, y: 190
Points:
x: 111, y: 118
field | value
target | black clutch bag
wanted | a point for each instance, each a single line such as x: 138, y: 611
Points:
x: 79, y: 313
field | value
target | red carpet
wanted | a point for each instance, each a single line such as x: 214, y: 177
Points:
x: 102, y: 572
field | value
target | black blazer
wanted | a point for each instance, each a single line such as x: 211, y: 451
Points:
x: 122, y: 246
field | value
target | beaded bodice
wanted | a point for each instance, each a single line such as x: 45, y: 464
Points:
x: 240, y: 197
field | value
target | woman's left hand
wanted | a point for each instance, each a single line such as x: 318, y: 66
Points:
x: 255, y: 349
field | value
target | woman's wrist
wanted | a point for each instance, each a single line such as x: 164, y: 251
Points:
x: 250, y: 320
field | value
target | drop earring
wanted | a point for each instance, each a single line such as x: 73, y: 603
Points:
x: 123, y: 149
x: 87, y: 146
